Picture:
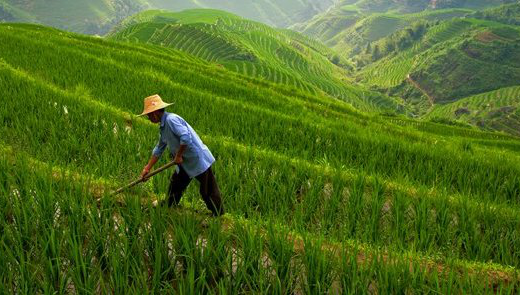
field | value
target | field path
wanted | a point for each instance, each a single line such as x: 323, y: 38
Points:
x: 418, y: 87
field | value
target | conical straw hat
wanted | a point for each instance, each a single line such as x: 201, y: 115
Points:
x: 153, y: 103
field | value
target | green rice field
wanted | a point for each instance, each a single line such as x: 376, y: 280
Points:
x: 320, y: 197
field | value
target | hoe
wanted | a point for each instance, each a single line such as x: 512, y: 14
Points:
x: 140, y: 180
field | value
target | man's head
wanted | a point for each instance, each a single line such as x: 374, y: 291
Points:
x: 154, y: 108
x: 155, y: 117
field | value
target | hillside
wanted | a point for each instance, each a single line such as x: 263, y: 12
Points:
x: 432, y: 58
x: 253, y: 49
x: 453, y: 61
x: 320, y: 197
x: 99, y: 16
x: 494, y: 110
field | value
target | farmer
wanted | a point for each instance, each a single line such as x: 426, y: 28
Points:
x: 192, y: 157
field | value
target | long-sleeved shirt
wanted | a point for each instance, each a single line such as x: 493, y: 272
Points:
x: 174, y: 131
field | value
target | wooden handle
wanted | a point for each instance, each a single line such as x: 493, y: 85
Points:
x: 151, y: 174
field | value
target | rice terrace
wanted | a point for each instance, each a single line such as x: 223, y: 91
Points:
x: 260, y: 147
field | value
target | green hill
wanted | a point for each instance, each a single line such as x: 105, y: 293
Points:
x: 254, y: 49
x: 451, y: 61
x: 99, y: 16
x: 428, y: 55
x: 306, y: 179
x: 352, y: 39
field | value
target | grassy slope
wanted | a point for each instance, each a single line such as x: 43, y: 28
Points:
x: 314, y: 166
x: 251, y: 48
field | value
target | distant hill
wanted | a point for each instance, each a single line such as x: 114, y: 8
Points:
x: 99, y: 16
x: 280, y: 13
x: 351, y: 24
x: 449, y: 61
x: 90, y: 17
x: 254, y: 49
x: 461, y: 65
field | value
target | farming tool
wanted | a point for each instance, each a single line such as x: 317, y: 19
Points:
x: 140, y: 180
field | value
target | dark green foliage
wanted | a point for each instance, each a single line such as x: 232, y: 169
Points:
x: 397, y: 41
x: 507, y: 14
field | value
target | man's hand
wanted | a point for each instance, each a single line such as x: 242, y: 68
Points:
x: 148, y: 167
x: 178, y: 159
x: 144, y: 173
x: 178, y: 156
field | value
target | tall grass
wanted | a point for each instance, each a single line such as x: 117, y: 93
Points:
x: 289, y: 164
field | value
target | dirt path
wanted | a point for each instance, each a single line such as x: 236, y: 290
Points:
x: 418, y: 87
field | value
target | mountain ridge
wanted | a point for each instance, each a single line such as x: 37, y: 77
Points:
x: 99, y: 16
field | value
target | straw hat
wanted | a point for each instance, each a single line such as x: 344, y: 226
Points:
x: 153, y: 103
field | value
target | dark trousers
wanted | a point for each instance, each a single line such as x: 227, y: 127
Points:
x: 208, y: 190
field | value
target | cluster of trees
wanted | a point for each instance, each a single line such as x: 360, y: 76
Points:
x: 507, y: 14
x: 398, y: 41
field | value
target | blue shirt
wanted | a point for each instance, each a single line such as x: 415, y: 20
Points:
x: 175, y: 131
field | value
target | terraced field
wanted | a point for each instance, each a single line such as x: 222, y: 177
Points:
x: 494, y: 110
x: 254, y: 49
x: 390, y: 73
x: 320, y: 197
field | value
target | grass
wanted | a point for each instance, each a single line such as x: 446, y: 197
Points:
x: 321, y: 175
